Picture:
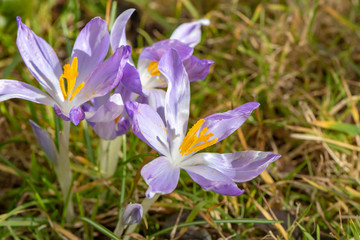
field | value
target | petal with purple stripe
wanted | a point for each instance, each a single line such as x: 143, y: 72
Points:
x: 40, y: 59
x: 190, y: 33
x: 240, y: 166
x: 118, y: 35
x: 148, y: 126
x: 109, y: 111
x: 105, y: 77
x: 91, y: 47
x: 224, y: 124
x: 197, y: 69
x: 14, y: 89
x: 161, y: 176
x: 213, y: 180
x: 155, y: 51
x: 177, y: 98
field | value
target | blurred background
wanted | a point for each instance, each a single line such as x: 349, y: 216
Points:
x: 298, y: 58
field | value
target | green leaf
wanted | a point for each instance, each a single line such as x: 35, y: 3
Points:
x: 337, y: 126
x: 99, y: 227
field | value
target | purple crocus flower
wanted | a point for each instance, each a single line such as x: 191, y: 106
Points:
x: 212, y: 171
x: 183, y: 40
x: 87, y: 76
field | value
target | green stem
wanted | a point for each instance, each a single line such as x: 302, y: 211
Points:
x: 119, y: 226
x: 146, y: 204
x: 108, y: 156
x: 63, y: 171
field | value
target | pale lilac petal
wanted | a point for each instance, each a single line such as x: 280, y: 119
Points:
x: 108, y: 111
x: 40, y: 59
x: 131, y: 79
x: 76, y: 115
x: 240, y: 166
x: 14, y: 89
x: 91, y: 47
x: 60, y: 114
x: 45, y: 142
x: 224, y: 124
x: 161, y: 176
x: 190, y: 33
x: 213, y: 180
x: 155, y: 51
x: 110, y: 130
x: 132, y: 214
x: 118, y: 30
x: 197, y: 69
x: 148, y: 126
x: 177, y: 99
x: 156, y: 100
x: 105, y: 77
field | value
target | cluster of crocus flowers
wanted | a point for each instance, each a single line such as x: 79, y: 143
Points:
x: 154, y: 97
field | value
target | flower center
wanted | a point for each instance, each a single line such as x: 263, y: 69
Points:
x: 70, y: 74
x: 153, y: 68
x: 193, y: 143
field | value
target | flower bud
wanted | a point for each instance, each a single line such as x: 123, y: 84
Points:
x: 132, y: 214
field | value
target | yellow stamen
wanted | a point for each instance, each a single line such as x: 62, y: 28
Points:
x: 153, y: 68
x: 193, y: 143
x: 70, y: 74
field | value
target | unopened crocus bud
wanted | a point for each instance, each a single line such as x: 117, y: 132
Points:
x: 132, y: 214
x: 45, y: 142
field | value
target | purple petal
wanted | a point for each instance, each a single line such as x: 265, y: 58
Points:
x: 45, y: 142
x: 197, y: 69
x: 190, y: 33
x: 156, y: 100
x: 155, y: 52
x: 161, y: 176
x: 118, y: 35
x: 132, y: 214
x: 224, y: 124
x: 76, y: 115
x: 240, y: 166
x: 40, y: 59
x: 177, y: 97
x: 60, y: 113
x: 105, y: 77
x: 110, y: 130
x: 14, y: 89
x: 148, y: 126
x: 131, y: 79
x: 213, y: 180
x: 91, y: 47
x: 108, y: 111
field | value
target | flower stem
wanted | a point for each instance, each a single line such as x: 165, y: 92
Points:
x: 146, y: 204
x: 108, y: 156
x: 63, y: 171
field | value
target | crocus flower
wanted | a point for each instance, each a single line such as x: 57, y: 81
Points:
x: 178, y: 150
x: 87, y: 76
x: 183, y: 40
